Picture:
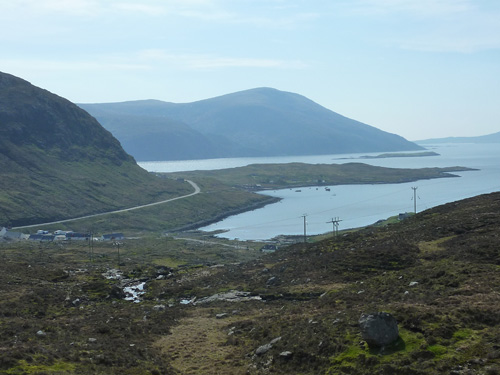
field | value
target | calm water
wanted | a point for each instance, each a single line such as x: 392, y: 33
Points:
x: 355, y: 205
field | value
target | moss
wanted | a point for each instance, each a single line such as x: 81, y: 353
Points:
x: 358, y: 356
x: 58, y: 367
x: 433, y: 246
x: 438, y: 350
x: 169, y: 262
x: 462, y: 334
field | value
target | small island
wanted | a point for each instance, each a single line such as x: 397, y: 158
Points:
x: 401, y: 155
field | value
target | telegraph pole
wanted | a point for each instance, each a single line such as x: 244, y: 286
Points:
x: 91, y: 245
x: 415, y: 198
x: 305, y: 236
x: 117, y: 244
x: 335, y: 223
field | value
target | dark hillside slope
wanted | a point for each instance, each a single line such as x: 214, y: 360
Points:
x: 295, y: 311
x: 257, y: 122
x: 56, y: 161
x: 160, y: 138
x: 437, y: 273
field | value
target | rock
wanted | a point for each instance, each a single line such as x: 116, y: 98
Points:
x: 159, y: 307
x: 230, y: 296
x: 221, y: 316
x: 117, y: 292
x: 263, y: 349
x: 413, y: 283
x: 286, y: 354
x: 378, y: 329
x: 41, y: 333
x: 272, y: 281
x: 92, y: 339
x: 274, y: 341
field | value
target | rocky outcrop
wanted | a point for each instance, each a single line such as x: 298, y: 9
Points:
x: 378, y: 329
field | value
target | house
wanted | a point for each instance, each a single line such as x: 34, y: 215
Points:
x: 41, y: 237
x: 35, y: 237
x: 112, y: 237
x: 15, y: 236
x: 75, y: 236
x: 269, y: 248
x: 404, y: 215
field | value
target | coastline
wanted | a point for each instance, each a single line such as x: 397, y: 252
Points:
x: 217, y: 218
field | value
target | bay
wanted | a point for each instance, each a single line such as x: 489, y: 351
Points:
x: 354, y: 205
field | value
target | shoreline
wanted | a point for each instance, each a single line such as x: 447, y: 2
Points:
x: 217, y: 218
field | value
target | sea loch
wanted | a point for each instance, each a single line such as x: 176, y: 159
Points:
x: 355, y: 205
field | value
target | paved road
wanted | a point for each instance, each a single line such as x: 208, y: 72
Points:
x: 194, y: 185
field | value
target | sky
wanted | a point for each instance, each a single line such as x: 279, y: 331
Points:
x: 418, y: 68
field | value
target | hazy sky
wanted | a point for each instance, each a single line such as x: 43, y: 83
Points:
x: 418, y: 68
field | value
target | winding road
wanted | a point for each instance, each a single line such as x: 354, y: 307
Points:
x: 197, y: 190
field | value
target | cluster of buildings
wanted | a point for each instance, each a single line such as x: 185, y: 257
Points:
x: 58, y: 235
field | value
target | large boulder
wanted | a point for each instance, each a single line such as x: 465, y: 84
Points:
x: 378, y: 329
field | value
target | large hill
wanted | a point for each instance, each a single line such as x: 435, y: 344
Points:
x: 257, y: 122
x: 57, y: 162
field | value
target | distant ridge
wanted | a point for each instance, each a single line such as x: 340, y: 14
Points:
x: 57, y: 162
x: 489, y: 138
x: 256, y: 122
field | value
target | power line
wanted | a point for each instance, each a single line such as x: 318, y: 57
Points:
x: 335, y: 223
x: 305, y: 235
x: 415, y: 198
x: 431, y: 203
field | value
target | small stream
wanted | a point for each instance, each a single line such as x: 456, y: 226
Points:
x: 132, y: 289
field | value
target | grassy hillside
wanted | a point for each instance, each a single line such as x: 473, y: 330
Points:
x: 229, y: 191
x: 437, y: 273
x: 215, y: 202
x: 58, y: 162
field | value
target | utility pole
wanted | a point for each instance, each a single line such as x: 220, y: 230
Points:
x: 91, y: 245
x: 335, y: 223
x: 117, y: 244
x: 305, y: 236
x: 415, y: 198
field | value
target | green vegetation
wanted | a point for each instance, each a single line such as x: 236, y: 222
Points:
x: 216, y: 306
x: 58, y: 162
x: 79, y: 188
x: 223, y: 193
x: 435, y: 272
x: 215, y: 202
x: 277, y: 176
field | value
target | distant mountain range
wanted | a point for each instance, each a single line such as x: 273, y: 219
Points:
x: 58, y: 162
x: 489, y: 138
x: 257, y: 122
